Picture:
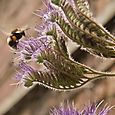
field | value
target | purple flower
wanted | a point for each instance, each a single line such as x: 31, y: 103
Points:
x: 43, y: 29
x: 65, y: 111
x: 25, y: 75
x: 90, y: 110
x: 46, y: 13
x: 30, y: 49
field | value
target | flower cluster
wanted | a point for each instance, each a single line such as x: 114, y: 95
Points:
x: 62, y: 20
x: 29, y: 49
x: 25, y: 74
x: 90, y: 110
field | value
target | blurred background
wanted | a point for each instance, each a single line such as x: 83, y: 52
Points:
x: 38, y: 100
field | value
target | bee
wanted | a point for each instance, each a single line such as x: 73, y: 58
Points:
x: 14, y: 38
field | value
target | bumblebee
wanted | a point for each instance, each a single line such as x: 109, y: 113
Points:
x: 14, y: 38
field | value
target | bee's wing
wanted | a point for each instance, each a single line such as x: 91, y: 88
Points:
x: 23, y: 28
x: 14, y: 31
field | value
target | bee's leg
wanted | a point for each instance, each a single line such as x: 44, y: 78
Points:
x: 15, y: 45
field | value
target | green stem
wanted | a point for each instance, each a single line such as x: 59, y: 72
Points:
x: 103, y: 76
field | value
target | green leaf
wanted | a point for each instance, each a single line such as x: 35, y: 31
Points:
x: 40, y: 59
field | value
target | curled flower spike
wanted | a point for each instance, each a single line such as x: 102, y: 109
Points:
x: 30, y: 49
x: 90, y: 110
x: 83, y: 29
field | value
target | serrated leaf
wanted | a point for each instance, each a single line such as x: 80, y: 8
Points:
x: 83, y: 6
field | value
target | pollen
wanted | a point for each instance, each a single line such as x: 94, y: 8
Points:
x: 14, y: 38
